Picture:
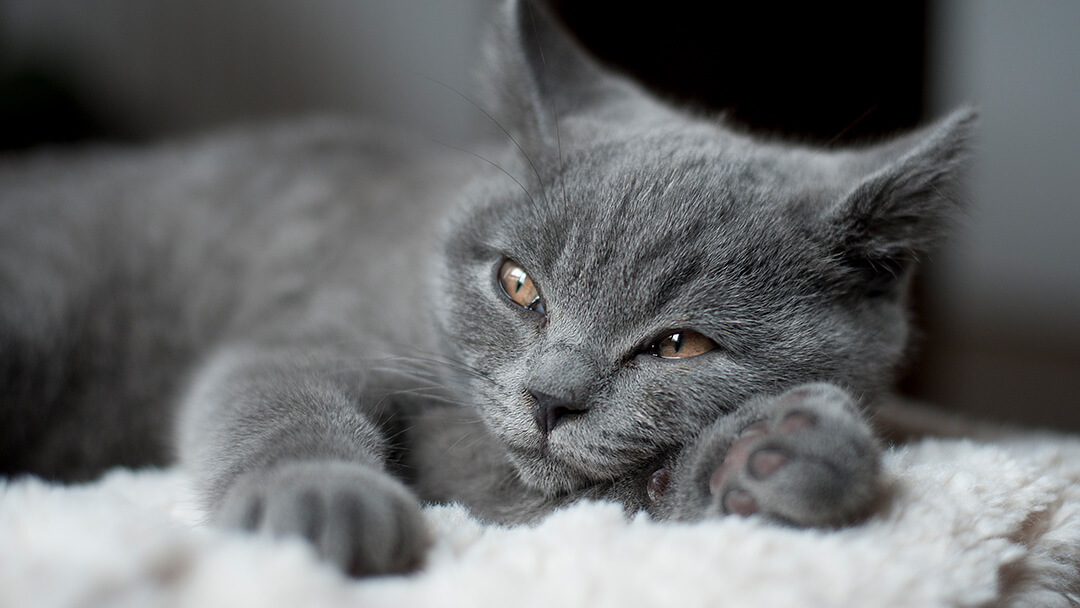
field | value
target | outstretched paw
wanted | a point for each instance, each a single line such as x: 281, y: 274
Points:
x: 357, y: 517
x: 803, y: 458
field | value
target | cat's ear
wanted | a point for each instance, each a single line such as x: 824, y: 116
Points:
x: 903, y: 202
x: 537, y: 72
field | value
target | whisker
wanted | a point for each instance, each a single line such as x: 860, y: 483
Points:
x: 486, y: 114
x: 423, y: 377
x: 850, y: 126
x: 493, y: 164
x: 385, y: 397
x: 434, y: 357
x: 554, y: 110
x: 424, y: 391
x: 511, y: 476
x: 558, y: 143
x: 455, y: 444
x: 445, y: 364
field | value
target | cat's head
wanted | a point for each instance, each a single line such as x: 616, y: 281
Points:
x: 630, y: 272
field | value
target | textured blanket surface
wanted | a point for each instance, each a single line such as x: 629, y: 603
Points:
x: 966, y: 523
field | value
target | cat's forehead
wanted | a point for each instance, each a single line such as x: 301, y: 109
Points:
x: 654, y: 218
x: 695, y: 166
x: 699, y: 183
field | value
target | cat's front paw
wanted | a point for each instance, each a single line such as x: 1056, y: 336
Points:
x: 358, y: 518
x: 805, y: 458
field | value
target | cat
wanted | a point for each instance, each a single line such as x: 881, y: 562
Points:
x: 329, y: 324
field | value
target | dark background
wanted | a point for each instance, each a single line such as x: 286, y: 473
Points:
x: 821, y: 73
x: 813, y: 71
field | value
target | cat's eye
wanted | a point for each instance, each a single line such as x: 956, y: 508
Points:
x: 682, y: 344
x: 517, y: 286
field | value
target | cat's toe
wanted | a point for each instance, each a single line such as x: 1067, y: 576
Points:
x: 766, y: 461
x: 356, y: 517
x: 759, y: 461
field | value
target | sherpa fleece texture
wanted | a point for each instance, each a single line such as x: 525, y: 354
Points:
x: 967, y: 523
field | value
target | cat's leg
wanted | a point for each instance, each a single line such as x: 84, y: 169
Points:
x: 282, y: 441
x: 805, y: 458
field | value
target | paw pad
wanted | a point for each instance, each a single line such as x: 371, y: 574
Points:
x: 760, y: 463
x: 795, y: 421
x: 740, y: 502
x: 765, y: 462
x: 754, y: 430
x: 804, y: 458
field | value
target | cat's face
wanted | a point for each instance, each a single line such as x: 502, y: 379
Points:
x: 648, y: 272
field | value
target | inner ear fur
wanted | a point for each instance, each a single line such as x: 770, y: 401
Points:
x: 904, y: 203
x: 537, y: 71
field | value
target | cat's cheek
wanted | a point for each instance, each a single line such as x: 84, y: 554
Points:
x: 509, y: 424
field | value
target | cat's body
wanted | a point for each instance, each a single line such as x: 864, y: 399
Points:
x: 328, y: 323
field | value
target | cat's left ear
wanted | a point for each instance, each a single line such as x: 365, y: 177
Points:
x: 904, y: 201
x: 538, y: 72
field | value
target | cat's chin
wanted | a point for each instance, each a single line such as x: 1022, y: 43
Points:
x: 548, y: 478
x: 552, y: 465
x: 541, y: 470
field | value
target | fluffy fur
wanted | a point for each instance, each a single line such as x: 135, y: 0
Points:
x: 969, y: 523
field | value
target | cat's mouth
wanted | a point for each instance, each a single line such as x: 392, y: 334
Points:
x: 544, y: 465
x: 545, y: 448
x: 554, y: 462
x: 542, y: 450
x: 542, y: 470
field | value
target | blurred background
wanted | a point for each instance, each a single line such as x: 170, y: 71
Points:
x: 999, y: 309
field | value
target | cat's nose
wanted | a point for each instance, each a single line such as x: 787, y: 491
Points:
x: 550, y: 410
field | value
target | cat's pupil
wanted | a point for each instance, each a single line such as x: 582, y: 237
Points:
x: 518, y: 287
x: 676, y: 342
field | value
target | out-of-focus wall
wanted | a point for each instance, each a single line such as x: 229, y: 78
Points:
x: 1005, y: 305
x: 157, y: 68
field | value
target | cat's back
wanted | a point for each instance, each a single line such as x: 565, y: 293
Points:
x: 120, y: 267
x: 237, y: 213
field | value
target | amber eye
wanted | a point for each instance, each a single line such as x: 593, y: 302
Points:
x: 517, y: 286
x: 681, y: 344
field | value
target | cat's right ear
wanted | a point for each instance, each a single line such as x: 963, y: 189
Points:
x: 536, y: 73
x: 904, y: 201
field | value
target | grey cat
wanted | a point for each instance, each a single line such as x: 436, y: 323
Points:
x: 329, y: 325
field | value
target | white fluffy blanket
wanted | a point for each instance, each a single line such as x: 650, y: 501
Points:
x: 989, y: 523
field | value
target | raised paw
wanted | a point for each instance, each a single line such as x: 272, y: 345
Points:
x: 358, y: 518
x: 805, y: 458
x: 759, y: 459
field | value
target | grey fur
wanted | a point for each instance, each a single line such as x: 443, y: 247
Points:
x: 309, y: 315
